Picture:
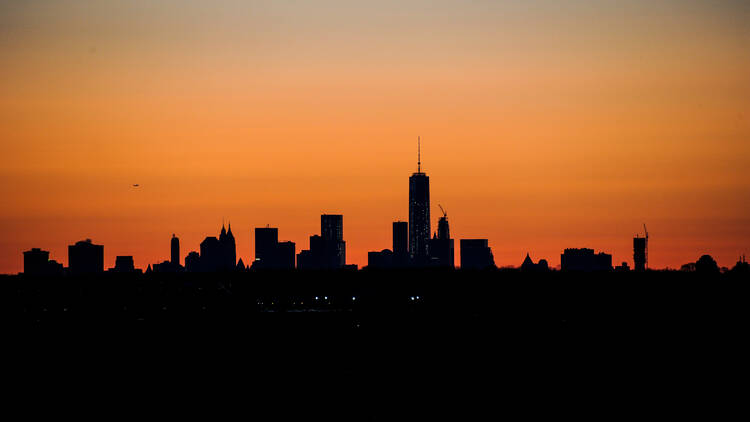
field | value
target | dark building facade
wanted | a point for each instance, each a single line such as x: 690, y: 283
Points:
x: 400, y: 237
x: 85, y: 258
x: 175, y: 249
x: 380, y: 260
x: 35, y: 262
x: 419, y: 217
x: 328, y: 250
x: 266, y: 244
x: 476, y: 254
x: 639, y: 253
x: 332, y: 227
x: 332, y: 234
x: 210, y: 254
x: 124, y: 264
x: 193, y: 262
x: 270, y: 253
x: 441, y: 245
x: 584, y: 259
x: 286, y: 252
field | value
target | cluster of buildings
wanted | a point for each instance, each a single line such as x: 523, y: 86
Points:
x: 414, y: 245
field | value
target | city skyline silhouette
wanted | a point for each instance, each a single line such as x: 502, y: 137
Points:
x: 449, y: 210
x: 544, y: 127
x: 327, y: 250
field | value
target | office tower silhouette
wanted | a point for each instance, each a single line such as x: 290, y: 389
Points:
x: 584, y: 259
x: 441, y: 245
x: 35, y: 261
x: 210, y: 258
x: 270, y: 253
x: 400, y: 237
x: 332, y: 226
x: 124, y: 264
x: 193, y: 262
x: 476, y: 254
x: 328, y: 250
x: 419, y: 213
x: 639, y: 253
x: 266, y: 244
x: 332, y: 235
x: 175, y: 246
x: 85, y: 258
x: 286, y: 252
x: 400, y: 249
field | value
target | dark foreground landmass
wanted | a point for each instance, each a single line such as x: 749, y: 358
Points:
x: 553, y: 342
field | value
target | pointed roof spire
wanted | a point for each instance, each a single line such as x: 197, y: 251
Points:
x: 527, y: 261
x: 419, y: 155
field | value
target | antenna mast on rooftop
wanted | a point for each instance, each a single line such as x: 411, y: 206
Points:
x: 419, y: 155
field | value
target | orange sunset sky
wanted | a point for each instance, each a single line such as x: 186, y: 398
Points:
x: 544, y: 124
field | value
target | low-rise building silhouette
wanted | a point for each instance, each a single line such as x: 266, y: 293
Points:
x: 123, y: 264
x: 624, y: 267
x: 37, y: 262
x: 85, y: 258
x: 193, y: 262
x: 380, y: 260
x: 584, y: 259
x: 529, y: 266
x: 476, y: 254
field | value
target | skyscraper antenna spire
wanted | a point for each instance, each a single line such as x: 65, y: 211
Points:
x: 419, y: 155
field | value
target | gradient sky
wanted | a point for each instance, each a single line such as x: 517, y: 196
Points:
x: 545, y: 124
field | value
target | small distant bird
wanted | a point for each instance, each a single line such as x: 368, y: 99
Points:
x: 136, y: 185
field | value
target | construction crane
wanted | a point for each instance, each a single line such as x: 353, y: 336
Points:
x: 445, y: 214
x: 645, y: 230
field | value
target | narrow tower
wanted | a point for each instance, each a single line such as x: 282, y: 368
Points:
x: 419, y: 211
x: 175, y: 250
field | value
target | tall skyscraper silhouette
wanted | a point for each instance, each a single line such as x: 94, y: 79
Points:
x: 175, y: 251
x: 332, y: 234
x: 419, y: 212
